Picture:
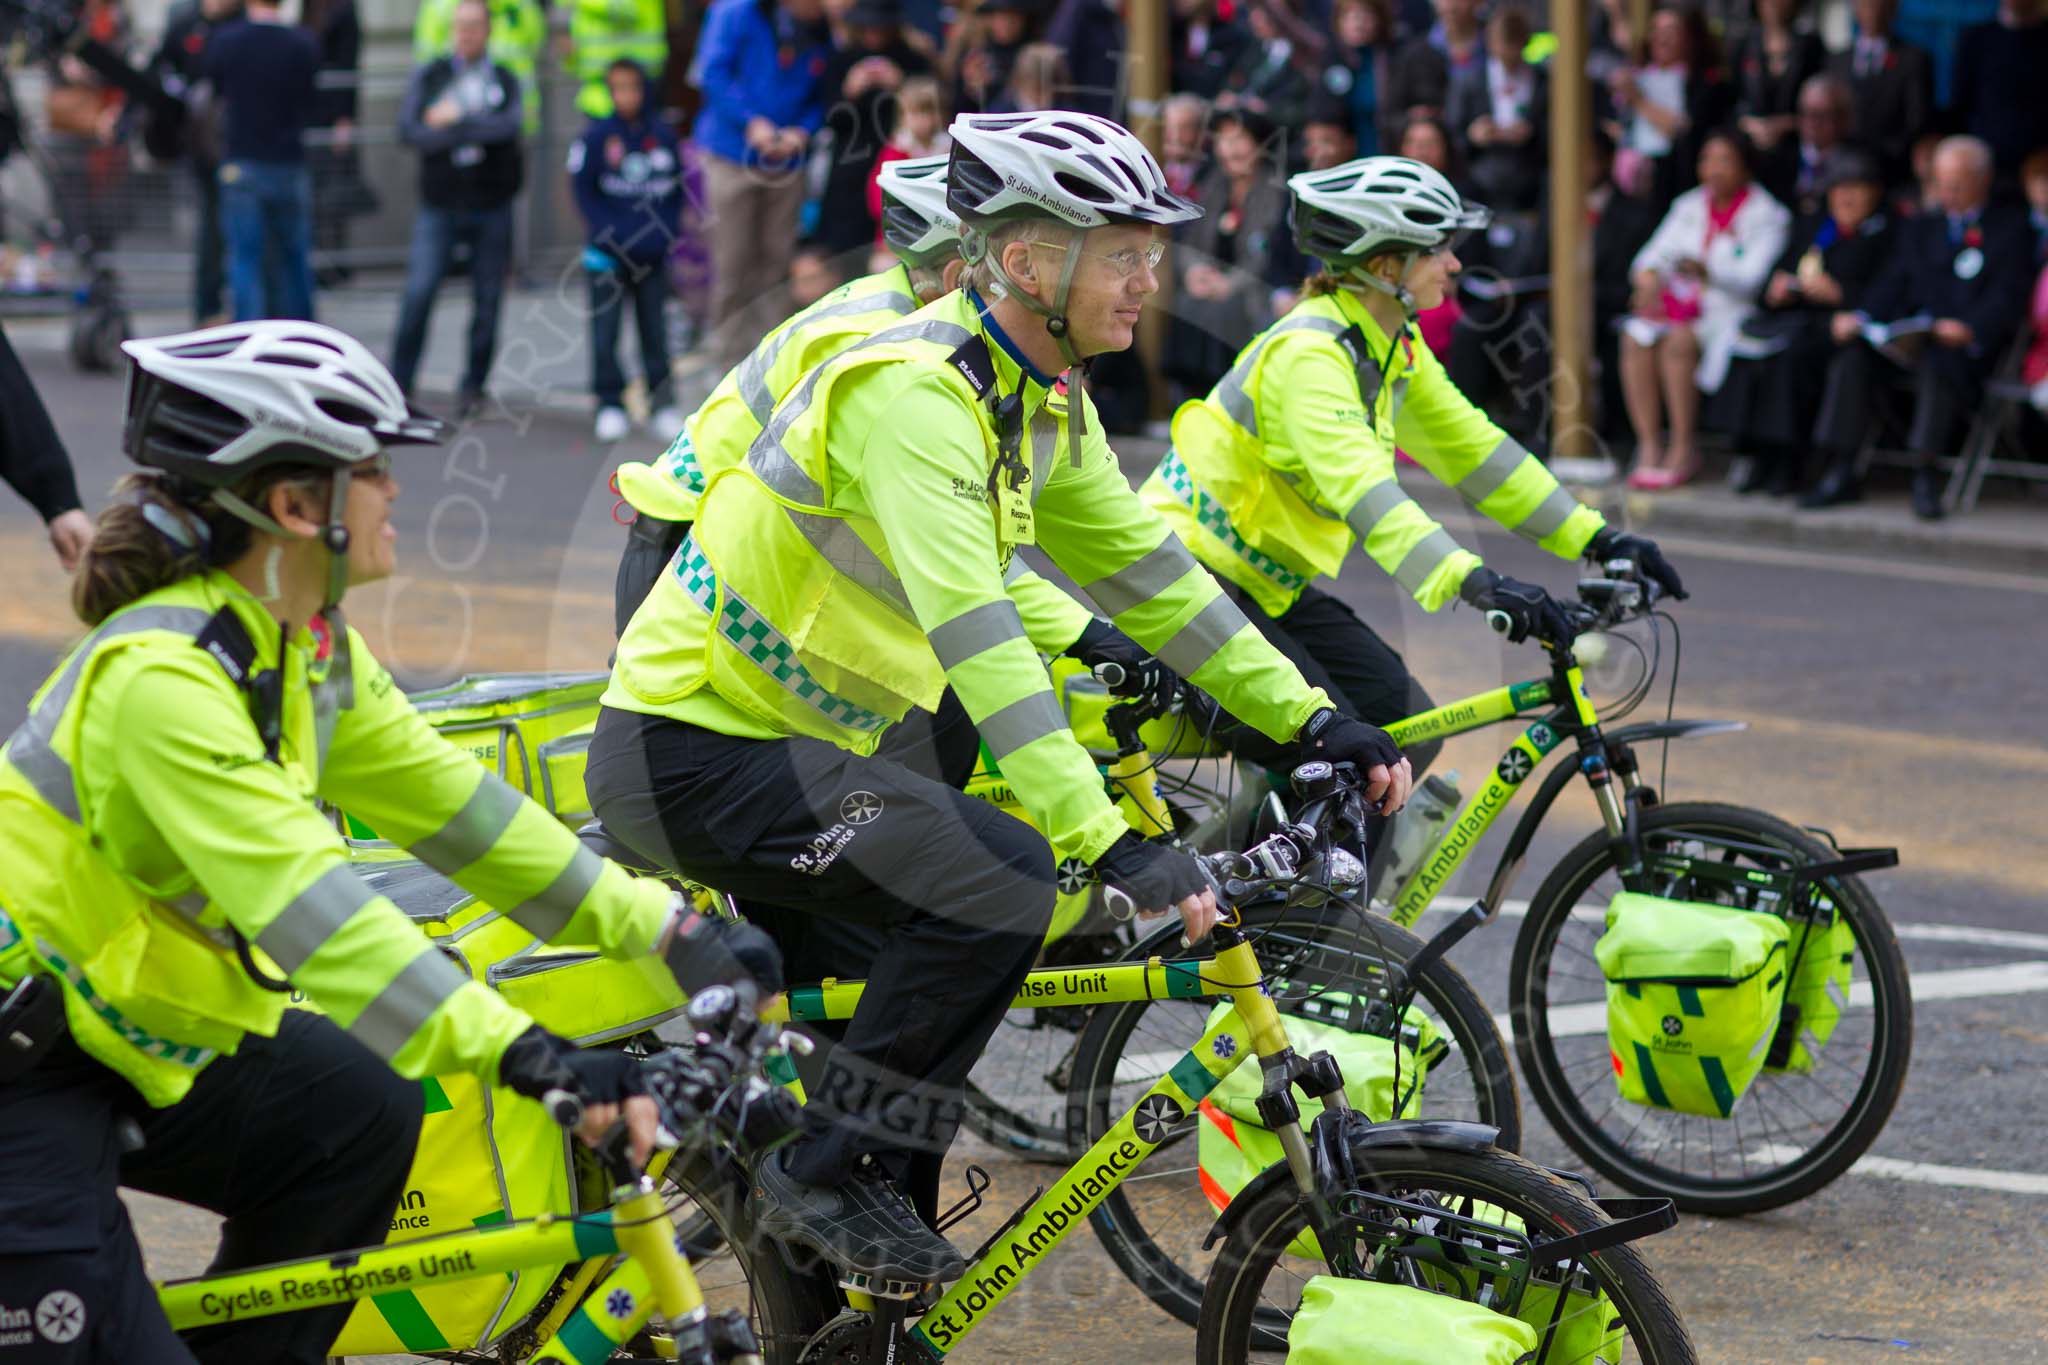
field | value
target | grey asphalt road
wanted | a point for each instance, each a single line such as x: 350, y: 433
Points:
x: 1893, y: 702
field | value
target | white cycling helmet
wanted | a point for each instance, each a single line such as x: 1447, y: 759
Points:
x: 1351, y: 213
x: 916, y: 221
x: 211, y: 408
x: 1076, y: 169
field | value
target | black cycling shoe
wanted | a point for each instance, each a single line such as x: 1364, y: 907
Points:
x: 861, y: 1225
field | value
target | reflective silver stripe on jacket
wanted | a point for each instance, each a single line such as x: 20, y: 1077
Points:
x: 314, y: 916
x: 1145, y: 578
x: 975, y: 631
x: 832, y: 537
x: 1373, y: 505
x: 1421, y: 560
x: 1496, y: 469
x: 548, y: 914
x: 402, y: 1008
x: 1232, y: 393
x: 1012, y: 727
x: 752, y: 380
x: 474, y: 830
x: 1550, y: 514
x: 1203, y: 637
x: 30, y: 747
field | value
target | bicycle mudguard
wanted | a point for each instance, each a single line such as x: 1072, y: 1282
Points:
x: 1561, y: 774
x: 1456, y: 1135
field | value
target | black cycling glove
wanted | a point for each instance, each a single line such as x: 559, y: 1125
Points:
x: 1144, y: 677
x: 1155, y: 876
x: 709, y: 950
x: 1334, y: 737
x: 1529, y: 609
x: 1641, y: 551
x: 537, y: 1061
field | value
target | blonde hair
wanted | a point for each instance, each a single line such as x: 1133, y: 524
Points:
x: 922, y: 95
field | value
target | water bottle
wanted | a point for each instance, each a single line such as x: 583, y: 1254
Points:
x: 1417, y: 830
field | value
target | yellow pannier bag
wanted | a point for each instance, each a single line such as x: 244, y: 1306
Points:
x: 1360, y: 1322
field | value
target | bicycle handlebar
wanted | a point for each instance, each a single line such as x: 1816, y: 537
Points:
x: 1619, y: 595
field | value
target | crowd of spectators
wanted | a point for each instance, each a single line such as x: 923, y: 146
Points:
x: 1761, y: 205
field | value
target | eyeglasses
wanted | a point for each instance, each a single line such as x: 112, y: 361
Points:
x: 1125, y: 263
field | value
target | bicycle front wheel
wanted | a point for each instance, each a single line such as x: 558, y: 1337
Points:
x: 1256, y: 1284
x: 1798, y: 1126
x: 1319, y: 962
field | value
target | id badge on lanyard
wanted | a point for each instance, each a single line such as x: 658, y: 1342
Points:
x: 1010, y: 480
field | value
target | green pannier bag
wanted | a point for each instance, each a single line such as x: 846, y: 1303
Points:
x: 1823, y: 958
x: 1361, y: 1322
x: 1233, y: 1144
x: 1694, y: 995
x: 1588, y: 1330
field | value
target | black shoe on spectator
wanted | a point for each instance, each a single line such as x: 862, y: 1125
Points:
x: 467, y: 404
x: 1761, y: 472
x: 1927, y: 495
x: 1836, y: 487
x: 862, y: 1224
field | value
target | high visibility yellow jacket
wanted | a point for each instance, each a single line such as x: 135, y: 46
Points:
x: 603, y: 31
x: 1289, y: 461
x: 142, y: 827
x: 852, y: 567
x: 519, y: 29
x: 718, y: 434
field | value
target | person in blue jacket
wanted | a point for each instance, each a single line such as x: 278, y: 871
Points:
x: 627, y: 172
x: 761, y: 66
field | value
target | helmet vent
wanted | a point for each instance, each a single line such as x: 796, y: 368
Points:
x: 346, y: 412
x: 1081, y: 189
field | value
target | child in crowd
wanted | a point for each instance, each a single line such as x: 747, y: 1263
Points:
x: 920, y: 131
x: 627, y: 174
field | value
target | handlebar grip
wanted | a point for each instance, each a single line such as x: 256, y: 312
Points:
x: 1110, y: 674
x: 564, y: 1108
x: 1500, y: 621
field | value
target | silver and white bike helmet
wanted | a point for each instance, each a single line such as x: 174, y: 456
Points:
x: 916, y: 222
x: 1377, y: 205
x: 1077, y: 169
x: 211, y: 408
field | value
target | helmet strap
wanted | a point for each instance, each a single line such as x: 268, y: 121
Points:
x: 334, y: 535
x: 1395, y: 289
x: 1055, y: 314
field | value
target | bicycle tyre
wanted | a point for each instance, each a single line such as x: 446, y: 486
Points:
x: 1547, y: 1074
x: 1234, y: 1322
x: 785, y: 1305
x: 1134, y: 1228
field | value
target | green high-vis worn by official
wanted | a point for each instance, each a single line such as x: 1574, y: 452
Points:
x: 144, y: 832
x: 1289, y: 461
x: 852, y: 567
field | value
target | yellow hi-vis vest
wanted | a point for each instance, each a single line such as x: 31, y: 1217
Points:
x: 718, y: 433
x: 1271, y: 498
x: 143, y: 828
x: 603, y: 31
x: 785, y: 613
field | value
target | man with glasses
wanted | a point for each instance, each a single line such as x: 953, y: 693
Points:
x: 1289, y: 461
x: 851, y: 570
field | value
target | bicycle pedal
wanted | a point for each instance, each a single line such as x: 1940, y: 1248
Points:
x: 879, y: 1289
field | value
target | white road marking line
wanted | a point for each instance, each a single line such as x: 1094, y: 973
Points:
x: 1751, y: 553
x: 1962, y: 983
x: 1926, y: 1173
x: 1919, y: 933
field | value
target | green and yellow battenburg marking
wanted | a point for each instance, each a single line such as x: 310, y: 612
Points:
x: 1074, y: 1196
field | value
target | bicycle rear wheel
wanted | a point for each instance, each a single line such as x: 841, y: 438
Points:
x: 1256, y: 1283
x: 1154, y: 1223
x: 1793, y: 1130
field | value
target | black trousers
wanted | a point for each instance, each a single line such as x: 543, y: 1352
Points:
x: 1944, y: 390
x: 1341, y: 654
x: 302, y: 1142
x: 803, y: 831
